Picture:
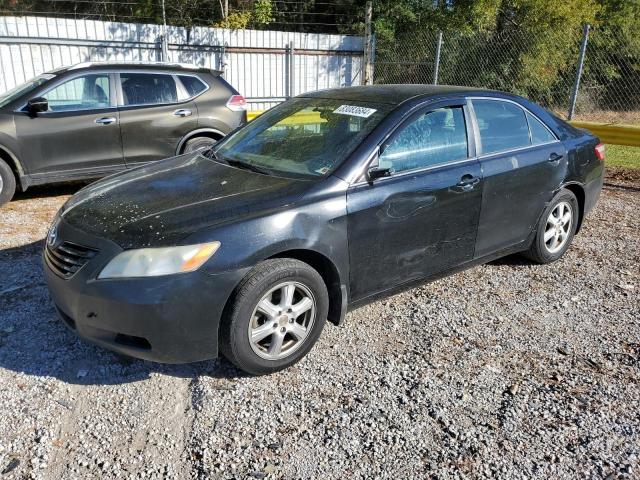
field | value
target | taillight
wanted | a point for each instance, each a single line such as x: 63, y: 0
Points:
x: 237, y: 103
x: 600, y: 151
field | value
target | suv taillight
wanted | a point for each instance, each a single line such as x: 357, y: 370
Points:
x: 600, y: 151
x: 237, y: 103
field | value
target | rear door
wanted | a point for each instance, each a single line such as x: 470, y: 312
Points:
x: 79, y: 134
x: 422, y: 218
x: 523, y: 164
x: 155, y: 113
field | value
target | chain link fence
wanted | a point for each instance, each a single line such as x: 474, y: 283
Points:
x: 543, y: 70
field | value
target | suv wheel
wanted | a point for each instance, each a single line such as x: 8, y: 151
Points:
x: 7, y: 183
x: 276, y: 316
x: 556, y: 228
x: 199, y: 143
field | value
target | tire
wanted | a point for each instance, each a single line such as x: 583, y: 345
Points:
x: 270, y: 280
x: 553, y: 239
x: 199, y: 143
x: 7, y: 183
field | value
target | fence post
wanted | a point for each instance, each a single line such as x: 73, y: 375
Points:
x: 368, y: 45
x: 436, y: 66
x: 290, y: 70
x: 165, y: 44
x: 576, y: 85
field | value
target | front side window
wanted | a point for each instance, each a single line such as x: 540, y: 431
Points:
x: 88, y: 92
x: 503, y: 125
x: 193, y: 85
x: 438, y: 136
x: 148, y: 89
x: 303, y: 137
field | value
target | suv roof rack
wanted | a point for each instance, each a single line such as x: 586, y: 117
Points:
x: 185, y: 66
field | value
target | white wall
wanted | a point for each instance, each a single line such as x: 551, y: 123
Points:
x: 254, y: 61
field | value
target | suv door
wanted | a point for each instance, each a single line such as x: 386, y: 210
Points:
x: 523, y: 163
x: 422, y: 218
x: 154, y: 115
x: 78, y: 135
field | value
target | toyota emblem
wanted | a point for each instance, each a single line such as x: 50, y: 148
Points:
x: 52, y: 235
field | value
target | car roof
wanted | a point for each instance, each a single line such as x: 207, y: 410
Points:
x: 162, y: 66
x: 395, y: 94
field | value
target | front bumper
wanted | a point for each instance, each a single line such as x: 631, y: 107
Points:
x: 168, y: 319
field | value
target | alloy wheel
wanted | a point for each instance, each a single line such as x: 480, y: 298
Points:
x: 282, y: 320
x: 558, y: 227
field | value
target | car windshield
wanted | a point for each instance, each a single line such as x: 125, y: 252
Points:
x: 303, y: 137
x: 10, y: 95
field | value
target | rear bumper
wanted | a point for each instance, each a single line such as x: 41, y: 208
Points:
x: 169, y: 319
x: 592, y: 191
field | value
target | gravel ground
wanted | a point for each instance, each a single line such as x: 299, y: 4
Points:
x: 508, y: 370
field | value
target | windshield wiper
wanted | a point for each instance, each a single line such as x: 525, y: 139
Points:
x: 247, y: 166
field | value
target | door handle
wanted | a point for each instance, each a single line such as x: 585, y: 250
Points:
x: 467, y: 182
x: 555, y: 157
x: 105, y: 120
x: 183, y: 112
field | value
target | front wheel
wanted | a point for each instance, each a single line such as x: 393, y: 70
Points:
x: 276, y: 316
x: 7, y: 183
x: 556, y: 228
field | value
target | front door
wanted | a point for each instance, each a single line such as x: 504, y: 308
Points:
x: 421, y: 219
x: 152, y: 118
x: 79, y: 135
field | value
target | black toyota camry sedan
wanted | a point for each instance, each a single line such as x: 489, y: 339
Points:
x: 324, y: 203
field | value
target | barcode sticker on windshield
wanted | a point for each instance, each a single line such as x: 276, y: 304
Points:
x: 355, y: 111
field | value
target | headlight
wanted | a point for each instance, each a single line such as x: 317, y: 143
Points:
x: 152, y: 262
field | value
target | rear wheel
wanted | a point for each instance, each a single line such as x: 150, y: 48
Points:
x: 199, y: 143
x: 7, y: 183
x: 556, y: 228
x: 277, y: 315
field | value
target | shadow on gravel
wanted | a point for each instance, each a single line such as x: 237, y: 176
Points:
x: 34, y: 342
x: 42, y: 191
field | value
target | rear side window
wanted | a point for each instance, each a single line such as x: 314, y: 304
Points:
x: 193, y: 85
x: 503, y: 125
x: 148, y: 88
x: 438, y: 136
x: 539, y: 132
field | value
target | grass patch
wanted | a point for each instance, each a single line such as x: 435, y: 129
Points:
x: 623, y: 156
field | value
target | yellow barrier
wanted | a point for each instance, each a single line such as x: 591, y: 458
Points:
x: 298, y: 119
x: 607, y: 132
x: 613, y: 134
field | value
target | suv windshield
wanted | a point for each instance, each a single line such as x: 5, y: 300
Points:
x: 303, y: 137
x: 10, y: 95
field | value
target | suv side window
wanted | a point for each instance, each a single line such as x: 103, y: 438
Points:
x: 88, y: 92
x: 438, y: 136
x: 193, y: 85
x: 148, y: 88
x: 503, y: 125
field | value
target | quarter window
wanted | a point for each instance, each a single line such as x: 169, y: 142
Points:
x: 539, y: 133
x: 432, y: 138
x: 88, y: 92
x: 503, y: 125
x: 148, y: 88
x: 193, y: 85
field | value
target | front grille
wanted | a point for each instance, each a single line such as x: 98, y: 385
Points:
x: 67, y: 258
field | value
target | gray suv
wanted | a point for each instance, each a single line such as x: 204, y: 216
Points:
x: 93, y: 119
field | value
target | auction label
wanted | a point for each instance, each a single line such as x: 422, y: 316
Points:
x: 355, y: 111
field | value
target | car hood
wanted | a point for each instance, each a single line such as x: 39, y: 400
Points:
x: 164, y: 202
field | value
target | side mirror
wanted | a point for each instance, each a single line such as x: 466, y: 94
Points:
x: 379, y: 172
x: 37, y: 105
